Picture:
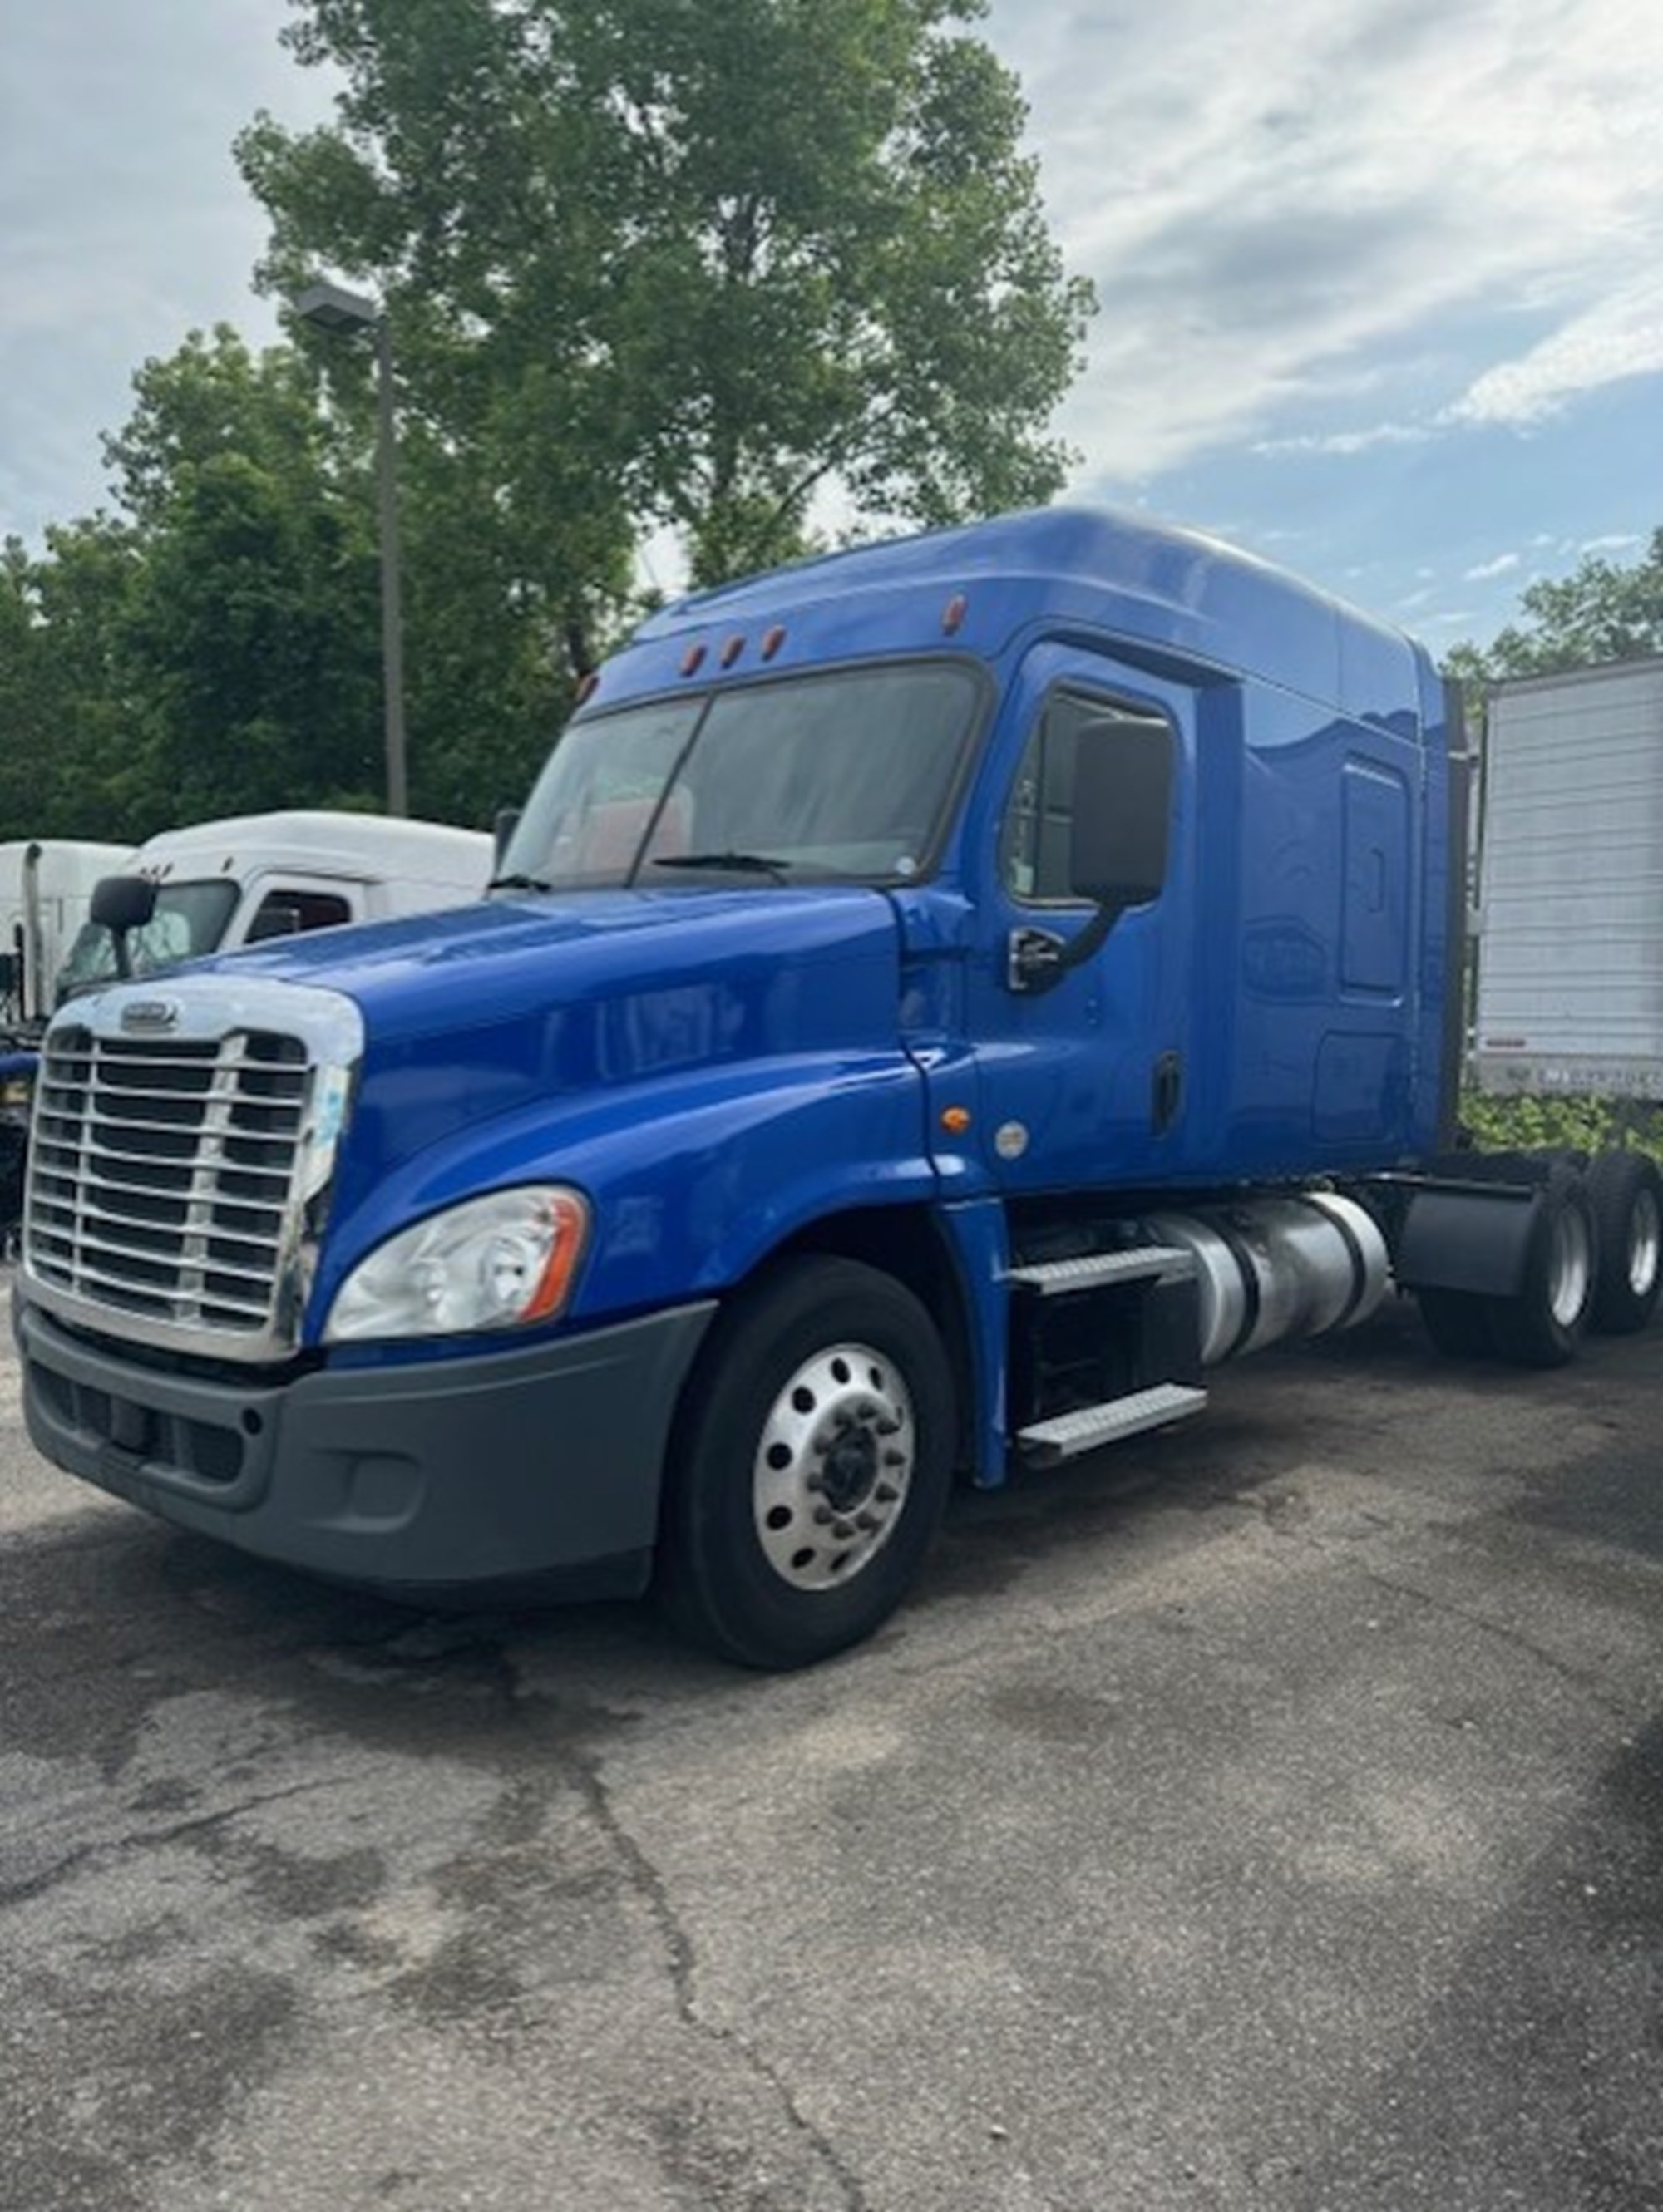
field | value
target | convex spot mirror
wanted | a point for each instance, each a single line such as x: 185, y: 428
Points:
x: 1123, y: 771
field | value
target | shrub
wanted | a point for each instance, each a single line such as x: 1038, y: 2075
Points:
x: 1575, y: 1123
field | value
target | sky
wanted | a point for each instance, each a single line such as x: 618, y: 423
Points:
x: 1381, y: 281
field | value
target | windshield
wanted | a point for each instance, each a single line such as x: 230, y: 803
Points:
x: 839, y: 777
x: 190, y: 920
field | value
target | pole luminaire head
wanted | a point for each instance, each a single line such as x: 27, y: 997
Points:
x: 332, y: 307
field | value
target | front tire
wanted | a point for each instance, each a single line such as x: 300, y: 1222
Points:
x: 810, y: 1465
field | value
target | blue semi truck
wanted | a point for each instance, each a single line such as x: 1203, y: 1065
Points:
x: 938, y: 1003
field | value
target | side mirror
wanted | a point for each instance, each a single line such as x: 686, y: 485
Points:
x: 1123, y: 812
x: 1118, y: 788
x: 123, y: 902
x: 120, y: 903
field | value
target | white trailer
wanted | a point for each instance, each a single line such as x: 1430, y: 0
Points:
x: 45, y: 889
x: 1570, y: 884
x: 220, y: 884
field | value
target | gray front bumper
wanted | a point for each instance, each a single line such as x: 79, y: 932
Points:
x: 541, y: 1464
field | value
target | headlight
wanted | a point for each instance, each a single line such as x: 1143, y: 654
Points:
x: 490, y: 1262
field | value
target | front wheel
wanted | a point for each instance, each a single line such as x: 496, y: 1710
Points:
x: 810, y: 1466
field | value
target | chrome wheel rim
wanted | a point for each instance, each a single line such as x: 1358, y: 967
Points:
x: 1572, y: 1271
x: 834, y: 1466
x: 1645, y: 1243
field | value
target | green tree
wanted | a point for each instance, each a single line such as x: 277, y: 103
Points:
x: 27, y: 703
x: 1601, y: 612
x: 213, y: 645
x: 652, y: 262
x: 250, y: 621
x: 73, y: 724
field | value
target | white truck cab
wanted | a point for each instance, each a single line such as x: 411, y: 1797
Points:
x: 45, y: 893
x: 220, y: 884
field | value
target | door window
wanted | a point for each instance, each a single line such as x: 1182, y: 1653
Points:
x: 286, y: 911
x: 1036, y: 839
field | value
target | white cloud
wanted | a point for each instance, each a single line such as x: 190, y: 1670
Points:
x: 1268, y: 218
x: 1346, y: 441
x: 1618, y: 541
x: 1392, y: 220
x: 1502, y: 565
x: 123, y: 221
x: 1619, y: 337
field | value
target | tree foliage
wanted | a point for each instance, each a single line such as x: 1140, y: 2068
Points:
x: 658, y: 263
x: 70, y: 712
x: 213, y: 645
x: 737, y: 272
x: 208, y: 648
x: 1601, y: 612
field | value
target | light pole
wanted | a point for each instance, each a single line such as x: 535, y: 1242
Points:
x: 332, y: 307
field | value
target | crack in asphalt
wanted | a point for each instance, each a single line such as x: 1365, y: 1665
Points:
x: 1506, y: 1634
x: 148, y: 1839
x: 649, y: 1884
x: 584, y: 1771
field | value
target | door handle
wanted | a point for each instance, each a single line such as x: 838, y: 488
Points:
x: 1166, y: 1091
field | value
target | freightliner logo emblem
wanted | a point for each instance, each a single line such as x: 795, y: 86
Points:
x: 150, y: 1015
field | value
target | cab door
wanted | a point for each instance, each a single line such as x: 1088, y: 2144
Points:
x: 1081, y: 1062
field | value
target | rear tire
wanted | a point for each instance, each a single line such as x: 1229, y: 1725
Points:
x: 1544, y: 1325
x: 810, y: 1466
x: 1626, y: 1192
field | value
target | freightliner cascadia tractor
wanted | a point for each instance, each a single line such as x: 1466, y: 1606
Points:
x: 938, y: 1004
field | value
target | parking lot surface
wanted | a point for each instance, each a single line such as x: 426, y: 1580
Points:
x: 1270, y: 1814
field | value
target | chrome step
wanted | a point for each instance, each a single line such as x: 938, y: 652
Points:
x: 1136, y: 1263
x: 1067, y: 1435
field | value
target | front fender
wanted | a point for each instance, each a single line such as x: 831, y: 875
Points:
x: 692, y: 1182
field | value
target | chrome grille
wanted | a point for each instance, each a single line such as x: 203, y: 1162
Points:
x: 164, y: 1175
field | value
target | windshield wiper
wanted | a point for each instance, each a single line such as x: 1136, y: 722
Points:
x: 735, y: 864
x: 518, y: 883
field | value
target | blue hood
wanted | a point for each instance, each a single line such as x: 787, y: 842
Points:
x: 474, y: 1013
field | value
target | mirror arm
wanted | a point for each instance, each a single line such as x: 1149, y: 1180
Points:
x: 1040, y: 959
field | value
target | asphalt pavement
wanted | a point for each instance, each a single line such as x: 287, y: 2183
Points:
x: 1267, y: 1815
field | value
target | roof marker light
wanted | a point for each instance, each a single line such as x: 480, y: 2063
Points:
x: 772, y: 642
x: 954, y: 614
x: 692, y: 660
x: 732, y: 650
x: 586, y: 685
